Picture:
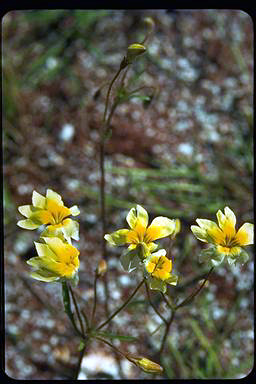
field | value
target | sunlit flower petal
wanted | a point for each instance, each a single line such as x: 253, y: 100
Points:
x: 227, y: 222
x: 43, y: 250
x: 226, y: 241
x: 245, y: 234
x: 160, y: 227
x: 28, y: 224
x: 159, y: 268
x: 56, y: 259
x: 46, y: 276
x: 137, y: 217
x: 74, y: 210
x: 118, y: 237
x: 25, y: 210
x: 140, y: 238
x: 214, y: 233
x: 50, y: 211
x: 38, y: 200
x: 200, y: 233
x: 230, y: 216
x: 51, y: 195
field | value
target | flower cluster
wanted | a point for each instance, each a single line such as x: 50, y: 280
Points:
x: 225, y: 242
x: 141, y: 246
x: 57, y: 258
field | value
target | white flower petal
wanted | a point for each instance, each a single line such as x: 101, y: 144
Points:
x: 50, y: 194
x: 38, y: 200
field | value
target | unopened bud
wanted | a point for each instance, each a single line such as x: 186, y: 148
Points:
x: 145, y: 364
x: 134, y: 50
x: 149, y: 22
x: 102, y: 267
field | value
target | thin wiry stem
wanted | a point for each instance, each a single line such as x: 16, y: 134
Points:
x: 67, y: 307
x: 122, y: 306
x: 167, y: 301
x: 108, y: 93
x: 105, y: 126
x: 77, y: 311
x: 191, y: 297
x: 153, y: 306
x: 95, y: 297
x: 86, y: 320
x: 167, y: 328
x: 110, y: 345
x: 78, y: 367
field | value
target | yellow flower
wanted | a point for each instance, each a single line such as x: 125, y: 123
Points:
x: 56, y: 259
x: 50, y: 211
x: 141, y: 236
x: 225, y: 240
x: 159, y: 268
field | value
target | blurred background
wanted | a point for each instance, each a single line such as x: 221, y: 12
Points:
x: 185, y: 154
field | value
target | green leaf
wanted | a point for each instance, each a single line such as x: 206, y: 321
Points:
x: 116, y: 336
x: 157, y: 284
x: 66, y: 300
x: 81, y: 345
x: 129, y: 260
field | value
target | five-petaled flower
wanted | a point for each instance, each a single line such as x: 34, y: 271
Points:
x: 141, y: 236
x: 158, y: 268
x: 224, y: 239
x: 56, y: 260
x: 50, y: 210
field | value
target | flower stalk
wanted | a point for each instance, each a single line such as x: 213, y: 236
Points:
x: 67, y: 307
x: 122, y: 306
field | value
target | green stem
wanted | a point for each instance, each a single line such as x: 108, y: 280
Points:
x: 111, y: 345
x: 168, y: 325
x: 86, y: 320
x: 77, y: 311
x: 167, y: 301
x: 153, y: 306
x: 67, y: 307
x: 122, y: 306
x: 191, y: 297
x: 95, y: 297
x: 102, y: 179
x: 108, y: 93
x: 81, y: 355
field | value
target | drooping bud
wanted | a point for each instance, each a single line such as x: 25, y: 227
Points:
x: 149, y: 22
x: 102, y: 267
x: 145, y: 364
x: 134, y: 50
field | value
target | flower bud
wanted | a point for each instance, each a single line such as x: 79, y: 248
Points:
x: 134, y: 50
x: 102, y: 267
x: 145, y: 364
x: 149, y: 22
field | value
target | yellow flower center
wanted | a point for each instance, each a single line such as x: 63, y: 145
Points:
x: 140, y: 234
x: 136, y: 235
x: 159, y: 267
x: 57, y: 212
x: 228, y: 251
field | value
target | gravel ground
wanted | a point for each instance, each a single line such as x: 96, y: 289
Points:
x: 201, y: 65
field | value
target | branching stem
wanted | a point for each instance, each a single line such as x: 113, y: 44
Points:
x: 122, y: 306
